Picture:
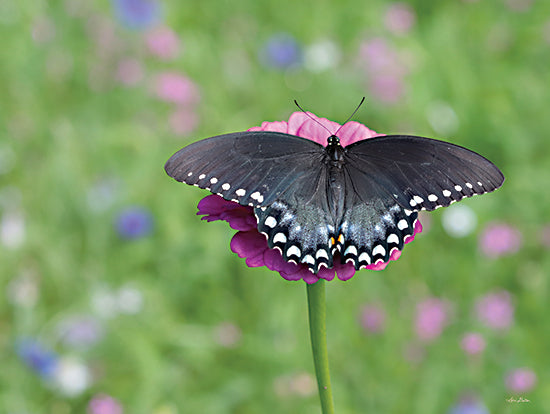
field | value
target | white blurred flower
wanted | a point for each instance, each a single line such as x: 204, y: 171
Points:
x: 459, y: 220
x: 442, y: 118
x: 322, y: 55
x: 104, y: 302
x: 23, y: 290
x: 72, y: 376
x: 12, y: 228
x: 129, y: 300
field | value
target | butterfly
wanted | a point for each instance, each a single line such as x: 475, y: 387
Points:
x: 317, y: 204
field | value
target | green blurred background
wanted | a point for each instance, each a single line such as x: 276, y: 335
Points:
x: 117, y: 298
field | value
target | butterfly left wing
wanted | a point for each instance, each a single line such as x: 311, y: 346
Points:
x: 419, y: 173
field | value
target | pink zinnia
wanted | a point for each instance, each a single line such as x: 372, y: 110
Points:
x: 250, y: 244
x: 521, y: 380
x: 473, y: 343
x: 499, y: 239
x: 373, y: 318
x: 163, y: 43
x: 176, y: 88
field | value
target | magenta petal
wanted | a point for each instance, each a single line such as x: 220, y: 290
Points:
x: 354, y: 131
x: 417, y: 229
x: 248, y: 244
x: 325, y: 273
x: 214, y: 207
x: 296, y: 120
x: 344, y: 271
x: 379, y: 265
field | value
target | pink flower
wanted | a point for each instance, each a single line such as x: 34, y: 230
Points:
x: 495, y: 310
x: 373, y: 318
x: 521, y: 380
x: 399, y: 18
x: 129, y: 72
x: 104, y: 404
x: 183, y: 120
x: 163, y: 43
x: 251, y: 245
x: 176, y: 88
x: 499, y: 239
x: 431, y: 318
x: 473, y: 343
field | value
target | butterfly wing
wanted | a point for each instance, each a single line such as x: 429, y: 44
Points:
x: 251, y: 168
x: 390, y: 178
x: 419, y: 173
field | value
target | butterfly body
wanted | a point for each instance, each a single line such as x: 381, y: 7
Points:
x: 316, y: 203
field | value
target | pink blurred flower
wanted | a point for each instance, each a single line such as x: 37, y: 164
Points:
x: 129, y: 72
x: 176, y: 88
x: 373, y: 318
x: 431, y: 318
x: 499, y: 239
x: 473, y: 343
x: 250, y: 244
x: 495, y: 310
x: 387, y: 88
x: 399, y: 18
x: 521, y: 380
x: 163, y: 43
x: 183, y: 120
x: 104, y: 404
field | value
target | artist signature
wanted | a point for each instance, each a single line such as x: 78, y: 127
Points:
x: 517, y: 400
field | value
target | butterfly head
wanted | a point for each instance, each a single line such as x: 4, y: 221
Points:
x: 333, y: 140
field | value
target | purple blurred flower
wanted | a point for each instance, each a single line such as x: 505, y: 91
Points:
x: 129, y: 72
x: 495, y: 310
x: 373, y: 318
x: 176, y: 88
x: 163, y: 43
x: 249, y: 243
x: 137, y: 14
x: 281, y: 51
x: 80, y: 331
x: 134, y: 222
x: 104, y: 404
x: 473, y: 343
x: 499, y: 239
x: 431, y: 318
x: 399, y: 18
x: 521, y: 380
x: 38, y: 357
x: 469, y: 405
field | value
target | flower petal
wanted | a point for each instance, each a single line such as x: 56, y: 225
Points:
x: 215, y: 208
x: 354, y: 131
x: 250, y: 245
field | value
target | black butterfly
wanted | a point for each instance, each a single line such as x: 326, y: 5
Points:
x: 311, y: 201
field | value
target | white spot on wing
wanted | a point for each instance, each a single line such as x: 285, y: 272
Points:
x: 392, y: 238
x: 469, y: 185
x: 412, y: 203
x: 270, y: 222
x: 407, y: 212
x: 308, y: 259
x: 351, y: 250
x: 432, y: 197
x: 458, y: 188
x: 226, y: 186
x: 213, y: 180
x: 402, y: 225
x: 279, y: 238
x: 418, y: 200
x: 240, y: 192
x: 379, y: 249
x: 189, y: 174
x: 202, y: 176
x: 364, y: 257
x: 293, y: 251
x: 321, y: 253
x: 446, y: 193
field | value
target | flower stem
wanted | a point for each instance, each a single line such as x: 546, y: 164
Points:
x: 318, y: 333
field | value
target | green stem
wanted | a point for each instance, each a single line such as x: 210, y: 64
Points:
x: 318, y: 332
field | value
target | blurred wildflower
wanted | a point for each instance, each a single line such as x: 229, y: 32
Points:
x: 499, y: 239
x: 385, y: 70
x: 23, y: 289
x: 473, y: 343
x: 228, y: 334
x: 495, y: 310
x: 544, y: 236
x: 38, y: 357
x: 72, y: 377
x: 249, y: 243
x: 129, y: 72
x: 104, y: 404
x: 469, y: 405
x: 459, y: 220
x: 129, y: 300
x: 134, y: 222
x: 373, y: 318
x: 281, y: 51
x: 399, y: 18
x: 183, y: 120
x: 163, y: 43
x: 176, y: 88
x: 102, y: 194
x: 12, y: 228
x: 442, y: 118
x: 322, y: 55
x: 43, y: 30
x: 431, y: 318
x: 137, y: 14
x: 104, y: 302
x: 301, y: 384
x: 80, y: 331
x: 521, y: 380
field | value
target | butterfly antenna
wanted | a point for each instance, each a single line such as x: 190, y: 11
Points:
x: 351, y: 116
x: 313, y: 119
